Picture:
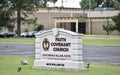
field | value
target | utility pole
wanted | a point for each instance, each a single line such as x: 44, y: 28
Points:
x: 89, y: 16
x: 66, y: 3
x: 61, y: 3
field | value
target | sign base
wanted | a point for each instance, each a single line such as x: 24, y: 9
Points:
x: 62, y: 65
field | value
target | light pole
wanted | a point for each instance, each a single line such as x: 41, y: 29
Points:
x: 48, y: 8
x: 61, y: 3
x: 89, y: 25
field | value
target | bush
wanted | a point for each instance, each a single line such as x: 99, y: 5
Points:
x: 109, y: 28
x: 38, y: 27
x: 10, y: 27
x: 116, y: 20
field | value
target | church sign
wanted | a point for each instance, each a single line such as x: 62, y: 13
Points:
x: 58, y: 49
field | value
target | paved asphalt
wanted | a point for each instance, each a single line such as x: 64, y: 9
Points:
x: 102, y: 54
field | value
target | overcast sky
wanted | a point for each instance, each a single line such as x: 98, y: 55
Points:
x: 68, y: 3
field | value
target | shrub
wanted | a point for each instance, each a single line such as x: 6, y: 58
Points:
x: 109, y: 28
x: 38, y: 27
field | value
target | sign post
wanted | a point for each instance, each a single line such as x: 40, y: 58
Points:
x: 58, y: 49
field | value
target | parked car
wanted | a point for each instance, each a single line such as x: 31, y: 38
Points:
x: 1, y: 35
x: 24, y: 34
x: 31, y: 34
x: 7, y: 34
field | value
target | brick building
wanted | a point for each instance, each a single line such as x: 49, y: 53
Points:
x: 74, y: 19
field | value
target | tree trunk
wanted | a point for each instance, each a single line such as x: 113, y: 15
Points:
x: 18, y: 23
x: 108, y: 33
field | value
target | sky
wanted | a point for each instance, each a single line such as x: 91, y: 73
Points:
x: 67, y: 3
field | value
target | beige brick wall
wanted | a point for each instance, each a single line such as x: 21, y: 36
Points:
x: 47, y: 18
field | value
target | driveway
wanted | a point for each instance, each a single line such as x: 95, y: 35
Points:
x: 103, y: 54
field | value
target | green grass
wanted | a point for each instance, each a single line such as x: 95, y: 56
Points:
x: 101, y: 40
x: 9, y: 65
x: 17, y: 40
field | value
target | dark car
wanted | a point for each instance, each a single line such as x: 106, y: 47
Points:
x: 7, y: 34
x: 31, y: 34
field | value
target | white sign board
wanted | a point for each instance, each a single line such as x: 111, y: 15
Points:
x: 59, y: 49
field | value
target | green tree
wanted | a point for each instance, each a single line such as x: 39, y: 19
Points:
x: 53, y: 1
x: 86, y: 3
x: 108, y: 3
x: 44, y: 3
x: 5, y: 14
x: 117, y: 4
x: 6, y: 18
x: 23, y: 8
x: 99, y: 2
x: 10, y: 27
x: 116, y: 20
x: 109, y: 28
x: 103, y: 3
x: 38, y: 27
x: 8, y: 8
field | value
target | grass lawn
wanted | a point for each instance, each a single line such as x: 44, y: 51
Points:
x: 102, y: 40
x: 17, y: 40
x: 9, y: 65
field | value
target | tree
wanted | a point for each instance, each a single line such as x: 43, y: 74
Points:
x: 10, y: 27
x: 100, y: 3
x: 38, y: 27
x: 23, y: 8
x: 3, y: 18
x: 44, y: 3
x: 8, y: 8
x: 85, y: 4
x: 117, y: 4
x: 5, y: 14
x: 116, y: 20
x: 109, y: 28
x: 53, y: 1
x: 108, y: 3
x: 6, y: 18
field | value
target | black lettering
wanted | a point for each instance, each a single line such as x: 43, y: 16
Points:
x: 61, y: 49
x: 53, y: 64
x: 60, y: 39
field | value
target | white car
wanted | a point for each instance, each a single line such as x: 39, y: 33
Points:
x: 24, y: 34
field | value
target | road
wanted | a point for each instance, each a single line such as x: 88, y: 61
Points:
x: 17, y: 49
x: 103, y: 54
